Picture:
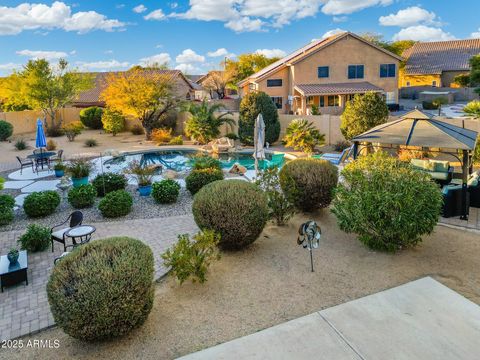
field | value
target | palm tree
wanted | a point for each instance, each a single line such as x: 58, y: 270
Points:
x: 203, y: 124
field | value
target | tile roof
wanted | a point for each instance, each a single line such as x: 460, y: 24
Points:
x: 436, y: 57
x: 337, y: 88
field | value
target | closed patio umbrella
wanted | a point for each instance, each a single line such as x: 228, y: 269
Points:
x: 259, y: 141
x: 41, y: 140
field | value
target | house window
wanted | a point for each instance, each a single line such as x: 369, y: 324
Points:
x: 274, y: 83
x: 355, y: 71
x: 434, y: 83
x: 278, y: 101
x: 322, y: 101
x: 390, y: 98
x: 332, y: 100
x: 387, y: 70
x: 408, y: 83
x: 323, y: 72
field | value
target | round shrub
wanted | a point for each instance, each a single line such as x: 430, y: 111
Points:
x: 115, y: 204
x: 40, y: 204
x: 236, y: 209
x: 37, y: 238
x: 82, y: 197
x: 92, y: 117
x: 386, y: 202
x: 6, y: 130
x: 103, y: 289
x: 113, y: 121
x: 108, y: 182
x: 309, y: 183
x: 201, y: 177
x: 7, y: 203
x: 165, y: 191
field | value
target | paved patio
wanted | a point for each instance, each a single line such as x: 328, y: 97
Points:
x: 421, y: 320
x: 473, y: 222
x: 25, y: 309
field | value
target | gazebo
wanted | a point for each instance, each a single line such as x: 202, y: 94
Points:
x: 422, y: 130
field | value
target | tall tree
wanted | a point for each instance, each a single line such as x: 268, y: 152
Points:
x: 475, y: 70
x: 12, y: 94
x: 218, y: 82
x: 147, y: 95
x: 246, y: 65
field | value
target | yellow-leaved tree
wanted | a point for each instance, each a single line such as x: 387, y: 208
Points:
x: 145, y: 94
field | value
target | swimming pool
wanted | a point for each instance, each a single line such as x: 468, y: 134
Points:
x: 179, y: 160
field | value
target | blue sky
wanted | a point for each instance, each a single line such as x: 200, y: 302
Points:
x: 196, y: 35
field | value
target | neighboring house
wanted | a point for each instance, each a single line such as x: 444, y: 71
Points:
x: 327, y: 73
x: 216, y: 79
x: 183, y: 88
x: 438, y: 63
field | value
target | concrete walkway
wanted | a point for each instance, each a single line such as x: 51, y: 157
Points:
x: 420, y: 320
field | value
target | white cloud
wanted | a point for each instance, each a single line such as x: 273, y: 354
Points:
x: 423, y: 33
x: 102, y: 65
x: 40, y: 54
x: 339, y: 19
x: 244, y: 24
x: 187, y: 68
x: 475, y: 34
x: 188, y: 56
x: 139, y: 9
x: 222, y: 52
x: 271, y: 53
x: 10, y: 66
x: 332, y: 32
x: 411, y: 16
x: 162, y: 58
x: 341, y: 7
x: 155, y: 15
x: 27, y: 16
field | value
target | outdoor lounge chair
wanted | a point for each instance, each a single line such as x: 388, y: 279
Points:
x: 74, y: 219
x: 452, y: 201
x: 222, y: 145
x: 24, y: 163
x: 334, y: 158
x: 440, y: 171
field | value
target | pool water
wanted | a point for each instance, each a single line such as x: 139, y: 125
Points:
x: 178, y: 160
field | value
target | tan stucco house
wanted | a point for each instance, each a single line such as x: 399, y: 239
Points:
x: 327, y: 73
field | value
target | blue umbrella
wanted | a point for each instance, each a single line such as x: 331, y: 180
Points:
x: 41, y: 140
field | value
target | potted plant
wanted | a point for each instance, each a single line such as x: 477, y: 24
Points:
x: 12, y: 256
x: 59, y: 168
x: 79, y: 169
x: 144, y: 175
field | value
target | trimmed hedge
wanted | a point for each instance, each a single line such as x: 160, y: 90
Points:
x: 199, y: 178
x: 103, y: 289
x: 236, y: 209
x: 165, y: 191
x: 108, y: 182
x: 40, y: 204
x: 83, y: 196
x: 36, y: 238
x: 6, y: 130
x: 115, y: 204
x: 7, y: 203
x: 309, y: 183
x: 92, y: 117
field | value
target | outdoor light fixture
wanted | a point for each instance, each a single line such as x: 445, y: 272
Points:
x: 309, y: 237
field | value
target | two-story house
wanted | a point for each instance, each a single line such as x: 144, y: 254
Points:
x: 327, y: 73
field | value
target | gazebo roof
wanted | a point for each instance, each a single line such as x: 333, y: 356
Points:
x: 417, y: 128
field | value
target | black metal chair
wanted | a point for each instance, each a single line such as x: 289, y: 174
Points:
x: 74, y: 219
x: 58, y: 157
x: 24, y: 163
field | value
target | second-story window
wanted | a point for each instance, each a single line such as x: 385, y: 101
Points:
x: 274, y: 83
x: 355, y: 71
x: 387, y: 70
x: 323, y: 72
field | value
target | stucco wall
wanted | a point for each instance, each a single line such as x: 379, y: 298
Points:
x: 420, y: 80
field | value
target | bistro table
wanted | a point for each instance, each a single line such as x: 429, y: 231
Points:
x: 11, y: 274
x: 82, y: 233
x: 42, y: 157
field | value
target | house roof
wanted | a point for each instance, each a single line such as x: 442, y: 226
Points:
x: 194, y: 78
x: 435, y: 57
x: 92, y: 96
x: 337, y: 88
x: 309, y: 49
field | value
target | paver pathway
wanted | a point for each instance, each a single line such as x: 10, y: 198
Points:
x: 25, y: 309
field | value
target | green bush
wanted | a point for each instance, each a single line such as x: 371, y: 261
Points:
x: 72, y: 130
x: 165, y: 191
x: 253, y: 104
x: 6, y: 130
x: 37, y: 238
x: 7, y: 203
x: 92, y: 117
x: 20, y: 144
x: 192, y: 258
x: 199, y: 178
x: 108, y: 182
x: 473, y: 109
x: 429, y: 105
x: 202, y: 161
x: 115, y: 204
x: 40, y: 204
x: 113, y: 122
x: 303, y: 136
x: 308, y: 183
x: 103, y: 289
x: 91, y: 143
x: 177, y: 140
x: 235, y: 209
x: 386, y: 202
x: 83, y: 196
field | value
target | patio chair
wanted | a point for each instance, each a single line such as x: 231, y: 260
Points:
x: 57, y: 157
x: 222, y: 145
x: 334, y: 158
x: 452, y: 201
x: 74, y: 219
x: 24, y: 163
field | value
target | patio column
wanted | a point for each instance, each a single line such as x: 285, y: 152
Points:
x: 465, y: 168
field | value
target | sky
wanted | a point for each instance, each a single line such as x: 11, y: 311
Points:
x: 196, y: 35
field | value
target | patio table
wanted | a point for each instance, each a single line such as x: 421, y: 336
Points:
x: 82, y: 233
x: 11, y: 274
x: 42, y: 157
